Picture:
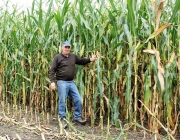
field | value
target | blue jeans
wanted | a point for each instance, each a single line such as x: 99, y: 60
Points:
x: 65, y: 89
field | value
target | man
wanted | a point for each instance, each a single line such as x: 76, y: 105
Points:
x: 63, y: 70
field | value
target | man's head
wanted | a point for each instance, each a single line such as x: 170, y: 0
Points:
x: 66, y: 47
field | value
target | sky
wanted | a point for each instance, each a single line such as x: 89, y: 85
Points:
x: 21, y: 4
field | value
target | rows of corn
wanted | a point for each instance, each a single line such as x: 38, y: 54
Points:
x: 136, y: 79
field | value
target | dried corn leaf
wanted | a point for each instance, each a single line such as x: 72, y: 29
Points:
x: 154, y: 34
x: 160, y: 68
x: 169, y: 115
x: 161, y: 77
x: 149, y: 51
x: 159, y: 14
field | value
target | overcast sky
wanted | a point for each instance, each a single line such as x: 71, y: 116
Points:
x: 21, y: 4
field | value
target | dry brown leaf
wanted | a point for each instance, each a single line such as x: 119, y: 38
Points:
x: 97, y: 54
x: 160, y: 68
x: 107, y: 100
x: 149, y: 51
x: 176, y: 125
x: 170, y: 120
x: 159, y: 14
x: 158, y: 31
x: 161, y: 78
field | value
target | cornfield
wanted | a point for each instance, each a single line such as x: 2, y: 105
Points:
x: 136, y: 79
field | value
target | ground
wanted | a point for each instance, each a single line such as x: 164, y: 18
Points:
x: 24, y: 127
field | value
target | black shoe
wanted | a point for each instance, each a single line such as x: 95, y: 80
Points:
x: 80, y: 121
x: 63, y: 122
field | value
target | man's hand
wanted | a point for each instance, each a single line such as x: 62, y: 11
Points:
x: 94, y: 57
x: 53, y: 86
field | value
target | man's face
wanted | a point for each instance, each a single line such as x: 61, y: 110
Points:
x: 66, y: 50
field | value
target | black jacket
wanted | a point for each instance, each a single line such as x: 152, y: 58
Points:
x: 63, y: 68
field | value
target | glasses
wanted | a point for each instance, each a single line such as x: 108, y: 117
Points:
x: 67, y: 47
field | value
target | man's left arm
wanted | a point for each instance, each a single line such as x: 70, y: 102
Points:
x: 84, y: 61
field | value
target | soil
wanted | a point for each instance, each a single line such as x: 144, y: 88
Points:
x: 26, y: 127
